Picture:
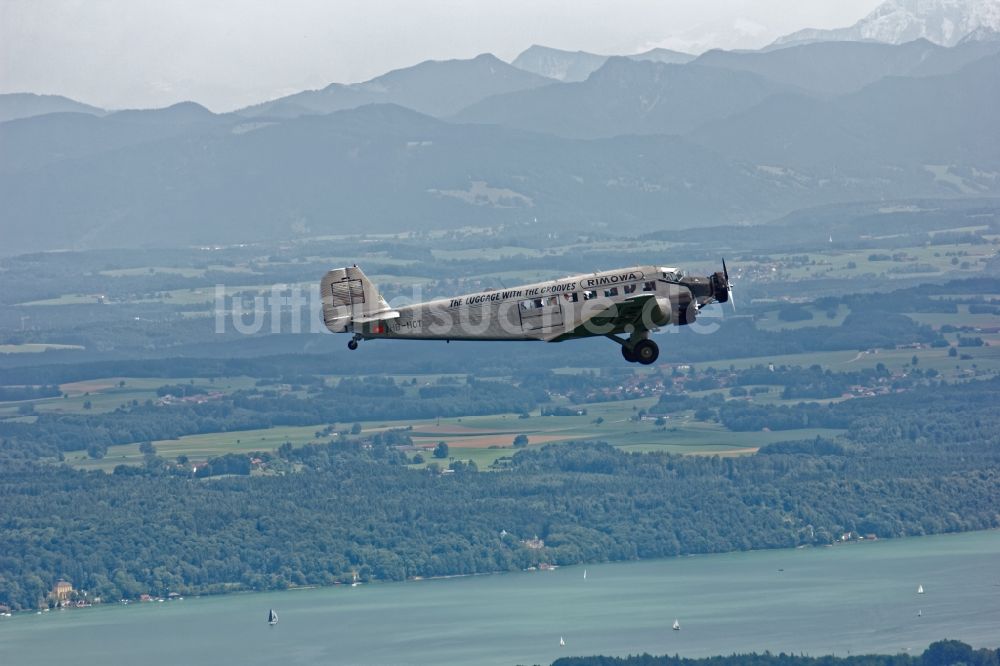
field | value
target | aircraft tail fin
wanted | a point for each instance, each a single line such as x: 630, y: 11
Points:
x: 350, y: 298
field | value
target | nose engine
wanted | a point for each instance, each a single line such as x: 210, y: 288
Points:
x: 720, y: 286
x: 715, y: 287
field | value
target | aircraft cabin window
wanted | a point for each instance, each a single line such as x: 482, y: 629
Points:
x: 551, y: 301
x: 537, y: 303
x: 629, y: 288
x: 572, y: 298
x: 587, y: 295
x: 611, y: 292
x: 649, y: 286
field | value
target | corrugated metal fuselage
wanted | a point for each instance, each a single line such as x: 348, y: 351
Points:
x: 551, y: 311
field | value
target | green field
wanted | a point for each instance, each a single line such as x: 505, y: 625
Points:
x: 106, y: 395
x: 962, y: 318
x: 985, y: 359
x: 835, y: 263
x: 490, y: 436
x: 199, y: 447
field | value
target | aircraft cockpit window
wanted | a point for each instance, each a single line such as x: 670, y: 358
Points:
x: 649, y: 286
x: 611, y: 292
x: 629, y: 288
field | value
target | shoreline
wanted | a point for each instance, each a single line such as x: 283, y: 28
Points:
x: 417, y: 579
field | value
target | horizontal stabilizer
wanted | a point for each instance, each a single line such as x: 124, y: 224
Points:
x: 376, y: 316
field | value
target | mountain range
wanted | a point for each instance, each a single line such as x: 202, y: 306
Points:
x: 437, y: 88
x: 655, y: 142
x: 372, y: 169
x: 626, y: 96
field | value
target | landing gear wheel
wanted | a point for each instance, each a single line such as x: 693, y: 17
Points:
x: 628, y: 354
x: 646, y: 352
x: 352, y: 345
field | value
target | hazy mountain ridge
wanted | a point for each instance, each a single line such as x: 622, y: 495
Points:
x: 944, y: 22
x: 916, y: 123
x: 833, y: 68
x: 437, y: 88
x: 626, y: 96
x: 14, y: 106
x: 558, y: 64
x: 30, y: 143
x: 574, y: 66
x: 381, y: 168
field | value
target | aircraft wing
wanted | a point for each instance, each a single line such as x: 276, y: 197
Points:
x: 614, y: 317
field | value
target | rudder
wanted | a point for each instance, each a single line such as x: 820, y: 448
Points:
x: 350, y: 298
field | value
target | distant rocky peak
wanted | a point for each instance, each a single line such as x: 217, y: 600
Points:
x: 944, y: 22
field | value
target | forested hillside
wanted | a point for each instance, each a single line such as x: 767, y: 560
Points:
x: 331, y: 511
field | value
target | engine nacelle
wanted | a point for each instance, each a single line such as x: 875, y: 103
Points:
x: 679, y: 309
x: 661, y: 313
x: 687, y: 311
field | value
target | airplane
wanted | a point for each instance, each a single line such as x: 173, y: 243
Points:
x: 630, y: 302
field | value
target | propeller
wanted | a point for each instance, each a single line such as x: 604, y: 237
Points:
x: 729, y: 286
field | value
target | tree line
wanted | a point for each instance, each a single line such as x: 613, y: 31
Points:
x: 939, y: 653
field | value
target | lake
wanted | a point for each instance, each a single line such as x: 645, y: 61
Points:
x: 847, y: 599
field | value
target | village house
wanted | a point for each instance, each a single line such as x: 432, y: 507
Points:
x: 61, y: 592
x: 534, y: 544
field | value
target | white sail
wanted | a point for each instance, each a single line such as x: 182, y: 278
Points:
x: 585, y: 574
x: 561, y: 641
x: 272, y: 617
x: 677, y: 625
x: 920, y: 589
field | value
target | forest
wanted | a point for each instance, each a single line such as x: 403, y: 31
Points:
x: 345, y: 509
x: 939, y: 653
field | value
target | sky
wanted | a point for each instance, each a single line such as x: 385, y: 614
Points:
x: 226, y: 54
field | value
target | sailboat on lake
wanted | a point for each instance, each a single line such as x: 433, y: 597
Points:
x: 561, y: 641
x: 920, y: 589
x: 272, y: 617
x: 677, y: 625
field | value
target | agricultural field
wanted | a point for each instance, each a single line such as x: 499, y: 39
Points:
x: 985, y: 359
x: 482, y: 439
x: 900, y: 262
x: 108, y: 394
x: 178, y: 289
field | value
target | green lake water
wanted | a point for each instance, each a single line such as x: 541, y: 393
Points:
x: 843, y: 600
